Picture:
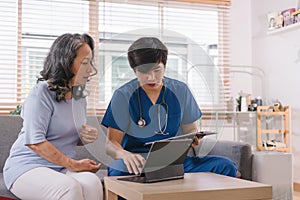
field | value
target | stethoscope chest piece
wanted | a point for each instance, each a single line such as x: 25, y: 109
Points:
x: 141, y: 123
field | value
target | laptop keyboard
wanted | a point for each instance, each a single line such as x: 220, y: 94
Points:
x: 138, y: 179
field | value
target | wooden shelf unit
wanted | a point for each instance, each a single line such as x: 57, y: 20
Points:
x: 285, y: 112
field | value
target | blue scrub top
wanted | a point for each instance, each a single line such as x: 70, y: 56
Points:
x: 176, y: 102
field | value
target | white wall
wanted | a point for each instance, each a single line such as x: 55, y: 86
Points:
x: 275, y: 54
x: 240, y: 45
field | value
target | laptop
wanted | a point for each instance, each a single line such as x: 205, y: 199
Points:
x: 164, y: 162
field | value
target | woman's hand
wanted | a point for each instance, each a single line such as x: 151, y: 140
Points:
x: 88, y: 134
x: 134, y: 162
x: 85, y: 165
x: 49, y: 152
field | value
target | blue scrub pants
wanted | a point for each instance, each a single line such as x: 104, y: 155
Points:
x: 215, y: 164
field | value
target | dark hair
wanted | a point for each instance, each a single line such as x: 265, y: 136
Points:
x: 57, y: 66
x: 147, y: 50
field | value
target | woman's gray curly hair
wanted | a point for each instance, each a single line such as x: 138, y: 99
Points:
x: 58, y: 64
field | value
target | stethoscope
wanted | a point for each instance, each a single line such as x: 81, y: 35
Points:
x: 141, y: 122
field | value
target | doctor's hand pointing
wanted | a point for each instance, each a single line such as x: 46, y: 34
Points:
x: 133, y: 161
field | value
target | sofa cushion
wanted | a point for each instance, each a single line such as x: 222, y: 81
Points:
x: 10, y: 126
x: 239, y: 152
x: 3, y: 191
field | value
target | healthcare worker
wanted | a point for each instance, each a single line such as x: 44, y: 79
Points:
x: 153, y: 107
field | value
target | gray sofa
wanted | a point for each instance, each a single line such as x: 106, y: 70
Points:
x: 10, y: 126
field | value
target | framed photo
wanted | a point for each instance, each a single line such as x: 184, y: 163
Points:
x: 272, y: 20
x: 279, y: 20
x: 287, y: 16
x: 296, y: 16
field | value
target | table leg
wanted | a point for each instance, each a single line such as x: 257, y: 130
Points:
x: 109, y: 195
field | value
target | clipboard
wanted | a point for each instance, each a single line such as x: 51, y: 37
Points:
x: 186, y: 136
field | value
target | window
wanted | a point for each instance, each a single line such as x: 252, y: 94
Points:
x: 195, y: 33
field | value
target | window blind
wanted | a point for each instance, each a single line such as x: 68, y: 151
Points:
x: 196, y: 33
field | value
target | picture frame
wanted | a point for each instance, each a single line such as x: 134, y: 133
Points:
x: 287, y: 16
x: 272, y: 20
x: 296, y: 16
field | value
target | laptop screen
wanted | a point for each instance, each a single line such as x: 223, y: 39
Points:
x: 166, y: 153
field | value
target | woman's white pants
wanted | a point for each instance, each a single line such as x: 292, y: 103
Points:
x: 43, y: 183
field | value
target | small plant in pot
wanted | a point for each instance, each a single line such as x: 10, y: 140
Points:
x: 17, y: 110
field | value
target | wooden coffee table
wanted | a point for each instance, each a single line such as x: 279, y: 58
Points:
x: 194, y: 186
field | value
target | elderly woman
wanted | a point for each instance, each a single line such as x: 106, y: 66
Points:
x: 41, y: 163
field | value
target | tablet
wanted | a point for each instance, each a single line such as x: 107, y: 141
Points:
x: 164, y: 161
